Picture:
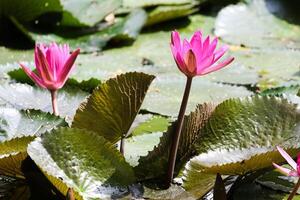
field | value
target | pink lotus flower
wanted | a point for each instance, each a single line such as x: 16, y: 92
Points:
x: 53, y: 65
x: 295, y: 166
x: 197, y: 56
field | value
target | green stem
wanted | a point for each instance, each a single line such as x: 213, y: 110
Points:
x: 293, y: 193
x: 54, y: 101
x: 176, y: 137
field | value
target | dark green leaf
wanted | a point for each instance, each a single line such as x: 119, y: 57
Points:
x: 154, y: 165
x: 24, y: 96
x: 113, y: 106
x: 241, y: 135
x: 82, y: 160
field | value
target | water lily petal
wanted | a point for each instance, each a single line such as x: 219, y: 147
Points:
x: 33, y: 76
x: 218, y: 66
x: 175, y: 40
x: 220, y: 52
x: 283, y: 170
x: 191, y: 62
x: 67, y: 67
x: 45, y: 70
x: 287, y: 157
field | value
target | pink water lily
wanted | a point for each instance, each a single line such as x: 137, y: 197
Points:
x: 53, y: 64
x: 198, y: 56
x: 295, y: 171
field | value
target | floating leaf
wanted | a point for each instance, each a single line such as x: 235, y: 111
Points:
x: 166, y: 91
x: 293, y: 89
x: 154, y: 165
x: 18, y: 128
x: 88, y: 12
x: 125, y: 29
x: 279, y: 67
x: 241, y: 135
x: 114, y: 104
x: 140, y: 145
x: 82, y: 160
x: 24, y: 96
x: 74, y: 13
x: 165, y: 13
x: 255, y: 20
x: 155, y: 123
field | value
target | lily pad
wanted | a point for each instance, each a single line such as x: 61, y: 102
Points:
x: 154, y: 165
x: 125, y: 29
x: 165, y: 13
x: 167, y: 90
x: 115, y: 104
x: 154, y: 123
x: 254, y: 126
x: 18, y: 129
x: 81, y: 160
x: 88, y: 12
x: 140, y: 145
x: 74, y: 12
x: 23, y: 96
x: 281, y: 67
x: 257, y: 27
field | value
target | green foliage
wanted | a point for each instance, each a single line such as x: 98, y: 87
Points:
x: 81, y: 160
x: 18, y: 129
x: 23, y: 96
x: 113, y: 106
x: 74, y: 12
x: 154, y: 165
x: 165, y: 13
x: 255, y: 20
x: 125, y: 29
x: 241, y: 135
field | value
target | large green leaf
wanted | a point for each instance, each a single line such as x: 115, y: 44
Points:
x: 241, y: 135
x: 166, y: 92
x: 274, y: 67
x: 152, y: 123
x: 125, y: 29
x: 27, y: 10
x: 23, y: 96
x: 74, y: 12
x: 257, y: 27
x: 154, y: 165
x: 113, y: 106
x: 10, y: 56
x: 81, y: 160
x: 140, y: 145
x: 18, y: 128
x: 165, y: 13
x: 86, y: 12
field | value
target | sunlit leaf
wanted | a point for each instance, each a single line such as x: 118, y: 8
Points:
x: 82, y: 160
